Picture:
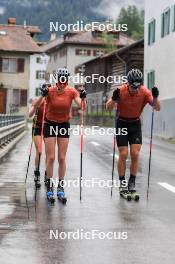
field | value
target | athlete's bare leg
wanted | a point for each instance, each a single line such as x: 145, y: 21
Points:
x: 134, y: 152
x: 123, y: 154
x: 62, y: 150
x: 50, y: 143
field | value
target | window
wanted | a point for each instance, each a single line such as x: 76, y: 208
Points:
x: 165, y: 30
x: 173, y: 18
x: 37, y: 91
x: 11, y: 65
x: 40, y: 74
x: 151, y: 79
x: 151, y: 32
x: 98, y: 52
x: 83, y: 52
x: 39, y: 60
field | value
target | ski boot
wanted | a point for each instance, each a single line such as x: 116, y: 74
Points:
x: 124, y: 193
x: 50, y: 192
x: 60, y: 193
x: 37, y: 179
x: 131, y: 188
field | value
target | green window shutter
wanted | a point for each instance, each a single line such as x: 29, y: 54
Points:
x: 168, y: 21
x: 162, y: 25
x: 37, y: 76
x: 149, y: 34
x: 148, y: 80
x: 154, y: 30
x: 174, y: 18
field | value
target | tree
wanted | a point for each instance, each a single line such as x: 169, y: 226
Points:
x: 109, y: 42
x: 134, y: 19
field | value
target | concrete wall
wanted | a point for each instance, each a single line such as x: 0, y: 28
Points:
x: 160, y: 57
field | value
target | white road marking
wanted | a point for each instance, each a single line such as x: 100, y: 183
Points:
x: 167, y: 186
x: 95, y: 143
x: 116, y: 155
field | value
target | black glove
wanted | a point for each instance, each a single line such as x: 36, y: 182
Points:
x: 82, y: 94
x: 155, y: 92
x: 116, y: 95
x: 44, y: 89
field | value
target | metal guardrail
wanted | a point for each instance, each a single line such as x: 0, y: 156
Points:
x: 11, y: 126
x: 6, y: 120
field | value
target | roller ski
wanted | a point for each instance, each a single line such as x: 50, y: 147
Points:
x: 37, y: 179
x: 61, y: 194
x: 134, y: 195
x: 131, y: 187
x: 124, y: 193
x: 50, y: 192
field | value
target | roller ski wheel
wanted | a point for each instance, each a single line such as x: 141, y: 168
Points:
x: 50, y: 197
x: 37, y: 179
x: 134, y: 195
x: 124, y: 193
x: 50, y: 192
x: 61, y: 195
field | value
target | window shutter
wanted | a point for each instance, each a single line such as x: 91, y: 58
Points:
x: 154, y: 30
x: 162, y: 25
x: 20, y: 65
x: 37, y: 75
x: 89, y: 52
x: 94, y: 52
x: 23, y: 98
x: 149, y: 27
x: 77, y: 51
x: 0, y: 64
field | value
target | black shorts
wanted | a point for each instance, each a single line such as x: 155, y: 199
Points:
x: 134, y: 133
x: 36, y: 131
x: 53, y: 129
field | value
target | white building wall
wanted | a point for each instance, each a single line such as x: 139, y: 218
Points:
x: 70, y: 59
x: 34, y: 67
x: 160, y: 57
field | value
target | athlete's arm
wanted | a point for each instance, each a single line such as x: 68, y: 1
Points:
x: 155, y: 94
x: 110, y: 104
x: 113, y: 100
x: 77, y: 100
x: 32, y: 111
x: 157, y: 104
x: 38, y: 101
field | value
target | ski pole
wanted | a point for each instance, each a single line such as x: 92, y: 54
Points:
x: 81, y: 144
x: 150, y: 152
x: 31, y: 145
x: 41, y: 138
x: 114, y: 150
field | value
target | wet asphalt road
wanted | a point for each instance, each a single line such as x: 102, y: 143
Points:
x: 25, y: 224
